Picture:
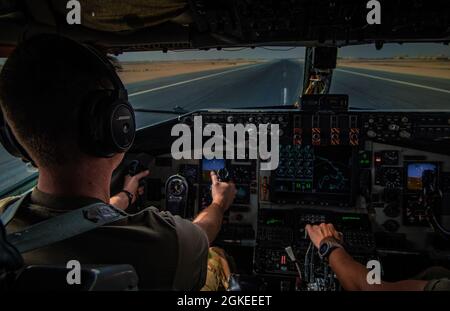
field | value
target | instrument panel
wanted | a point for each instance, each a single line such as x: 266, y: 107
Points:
x: 364, y: 171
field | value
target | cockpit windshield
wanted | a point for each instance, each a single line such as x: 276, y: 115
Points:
x: 408, y: 76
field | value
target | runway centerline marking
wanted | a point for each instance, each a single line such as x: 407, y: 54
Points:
x: 190, y: 80
x: 285, y: 96
x: 395, y: 81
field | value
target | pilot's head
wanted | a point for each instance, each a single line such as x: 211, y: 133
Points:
x: 43, y: 86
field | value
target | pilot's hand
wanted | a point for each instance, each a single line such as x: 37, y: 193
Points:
x: 319, y: 232
x: 222, y: 193
x: 131, y: 184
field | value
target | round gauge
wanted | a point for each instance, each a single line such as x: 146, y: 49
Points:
x: 392, y: 177
x: 176, y: 187
x: 390, y: 157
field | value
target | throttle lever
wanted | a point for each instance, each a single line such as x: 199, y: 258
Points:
x: 133, y: 167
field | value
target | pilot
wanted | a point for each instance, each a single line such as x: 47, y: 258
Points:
x: 353, y: 276
x: 43, y: 86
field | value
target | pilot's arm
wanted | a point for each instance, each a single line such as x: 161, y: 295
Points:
x: 210, y: 219
x: 194, y: 237
x: 350, y: 273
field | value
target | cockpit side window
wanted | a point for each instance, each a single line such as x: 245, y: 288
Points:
x: 14, y: 173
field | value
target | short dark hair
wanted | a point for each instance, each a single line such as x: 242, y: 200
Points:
x: 43, y: 85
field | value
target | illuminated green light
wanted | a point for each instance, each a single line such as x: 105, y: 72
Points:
x: 273, y: 221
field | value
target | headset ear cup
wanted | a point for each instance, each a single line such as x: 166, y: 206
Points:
x: 108, y: 123
x: 122, y: 126
x: 107, y: 127
x: 91, y: 138
x: 10, y: 143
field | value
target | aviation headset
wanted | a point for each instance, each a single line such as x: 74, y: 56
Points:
x: 106, y: 119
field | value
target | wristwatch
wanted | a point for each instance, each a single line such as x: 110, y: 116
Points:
x: 328, y: 245
x: 129, y: 195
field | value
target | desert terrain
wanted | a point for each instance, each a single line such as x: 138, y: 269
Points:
x: 420, y: 67
x: 142, y: 71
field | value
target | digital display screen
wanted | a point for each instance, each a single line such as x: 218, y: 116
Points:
x: 332, y: 170
x: 211, y: 165
x: 416, y: 172
x: 306, y: 171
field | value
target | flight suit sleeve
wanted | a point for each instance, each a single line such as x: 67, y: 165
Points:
x: 193, y: 249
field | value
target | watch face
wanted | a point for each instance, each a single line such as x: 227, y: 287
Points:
x: 323, y: 249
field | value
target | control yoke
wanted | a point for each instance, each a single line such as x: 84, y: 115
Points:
x: 432, y: 199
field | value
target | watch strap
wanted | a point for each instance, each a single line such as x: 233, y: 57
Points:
x: 129, y: 195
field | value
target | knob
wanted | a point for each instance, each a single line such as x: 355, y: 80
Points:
x: 391, y: 225
x: 393, y: 127
x: 371, y: 134
x: 230, y: 119
x: 405, y: 119
x: 405, y: 134
x: 223, y: 175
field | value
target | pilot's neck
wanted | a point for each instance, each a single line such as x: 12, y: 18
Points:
x: 90, y: 181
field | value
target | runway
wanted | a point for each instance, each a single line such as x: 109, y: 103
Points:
x: 279, y: 83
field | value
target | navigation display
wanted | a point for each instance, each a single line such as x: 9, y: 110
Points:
x: 308, y: 173
x: 332, y: 171
x: 416, y: 173
x: 308, y: 169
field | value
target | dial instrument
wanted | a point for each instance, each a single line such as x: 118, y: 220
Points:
x: 390, y: 157
x: 392, y: 177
